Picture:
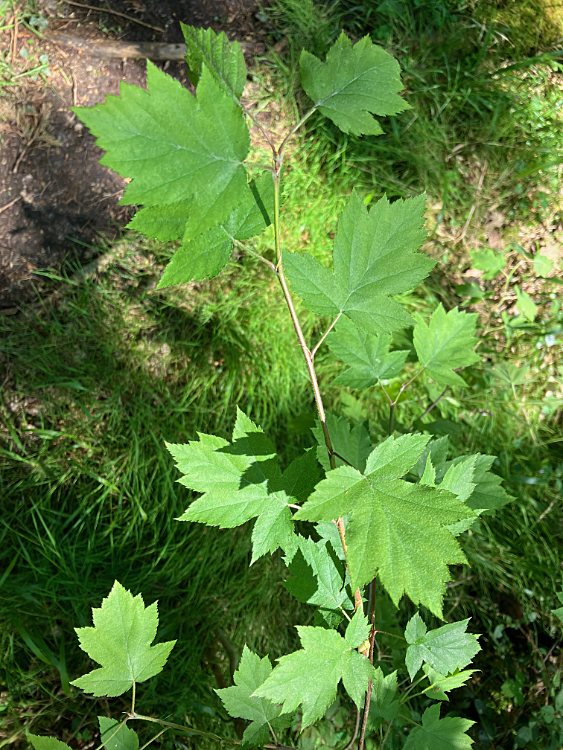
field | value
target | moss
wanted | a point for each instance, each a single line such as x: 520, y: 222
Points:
x: 530, y: 26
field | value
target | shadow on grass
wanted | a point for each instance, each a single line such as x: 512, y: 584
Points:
x: 95, y: 381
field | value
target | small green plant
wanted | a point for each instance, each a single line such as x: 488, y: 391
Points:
x: 358, y: 524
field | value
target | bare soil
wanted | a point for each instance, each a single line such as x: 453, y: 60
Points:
x: 56, y: 200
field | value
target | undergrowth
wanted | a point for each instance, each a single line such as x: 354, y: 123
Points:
x: 100, y: 375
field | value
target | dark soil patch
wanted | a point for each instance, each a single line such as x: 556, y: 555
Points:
x: 57, y: 198
x: 236, y: 17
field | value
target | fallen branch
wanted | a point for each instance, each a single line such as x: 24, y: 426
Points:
x: 11, y: 203
x: 137, y: 50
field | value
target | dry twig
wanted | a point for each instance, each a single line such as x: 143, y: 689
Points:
x: 15, y: 32
x: 11, y: 203
x: 116, y: 13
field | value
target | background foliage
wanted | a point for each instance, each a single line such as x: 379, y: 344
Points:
x: 102, y: 374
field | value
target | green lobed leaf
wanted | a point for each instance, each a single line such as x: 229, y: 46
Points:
x: 441, y: 685
x: 488, y: 261
x: 488, y: 495
x: 511, y: 375
x: 239, y: 481
x: 317, y: 575
x: 328, y: 531
x: 445, y: 649
x: 375, y: 256
x: 352, y: 443
x: 394, y: 457
x: 354, y: 81
x: 384, y: 703
x: 396, y: 529
x: 182, y: 153
x: 446, y: 344
x: 439, y: 734
x: 429, y: 475
x: 438, y: 450
x: 121, y: 642
x: 456, y: 477
x: 310, y: 677
x: 40, y: 742
x: 208, y: 253
x: 240, y: 701
x: 124, y: 739
x: 459, y: 477
x: 301, y: 476
x: 368, y: 357
x: 224, y: 60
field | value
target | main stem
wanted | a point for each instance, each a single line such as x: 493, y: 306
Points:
x: 371, y: 604
x: 286, y: 293
x: 309, y: 357
x: 309, y: 360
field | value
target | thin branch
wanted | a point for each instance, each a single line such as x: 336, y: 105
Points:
x: 392, y: 635
x: 356, y: 728
x: 366, y: 715
x: 391, y: 416
x: 429, y: 409
x: 341, y: 531
x: 385, y: 392
x: 181, y: 728
x: 6, y: 206
x: 259, y: 165
x: 547, y: 510
x: 371, y: 600
x: 259, y: 125
x: 405, y: 697
x: 295, y: 320
x: 115, y: 13
x: 337, y: 455
x: 133, y: 699
x: 387, y: 733
x: 440, y: 397
x: 244, y: 247
x: 294, y: 130
x: 334, y: 322
x: 304, y: 348
x: 273, y: 733
x: 154, y: 738
x: 393, y: 404
x: 406, y: 385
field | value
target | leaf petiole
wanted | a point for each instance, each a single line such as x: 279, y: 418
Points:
x: 294, y: 130
x: 154, y: 738
x: 246, y: 249
x: 329, y: 329
x: 406, y: 695
x: 179, y: 727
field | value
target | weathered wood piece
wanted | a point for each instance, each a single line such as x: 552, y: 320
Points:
x: 136, y: 50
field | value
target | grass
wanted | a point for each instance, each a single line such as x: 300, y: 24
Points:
x: 101, y: 374
x: 97, y: 380
x: 473, y: 114
x: 480, y: 138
